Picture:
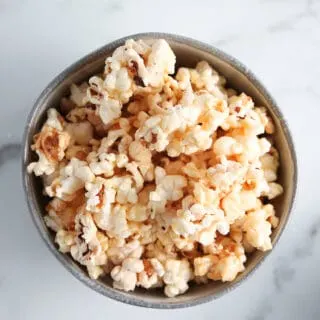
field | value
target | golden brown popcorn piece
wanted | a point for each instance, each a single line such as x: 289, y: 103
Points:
x: 64, y: 212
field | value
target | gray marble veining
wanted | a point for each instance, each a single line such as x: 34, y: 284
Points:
x: 8, y: 152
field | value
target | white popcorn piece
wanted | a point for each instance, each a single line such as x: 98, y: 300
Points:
x: 79, y: 94
x: 138, y: 212
x: 226, y: 146
x: 142, y: 157
x: 205, y: 196
x: 191, y: 170
x: 161, y: 62
x: 168, y: 187
x: 202, y: 265
x: 240, y: 105
x: 139, y: 153
x: 258, y: 230
x: 248, y: 200
x: 157, y: 266
x: 270, y: 164
x: 81, y: 133
x: 147, y: 282
x: 118, y: 224
x: 109, y: 110
x: 103, y: 163
x: 270, y: 215
x: 123, y: 279
x: 210, y: 226
x: 132, y: 167
x: 228, y: 261
x: 133, y: 264
x: 265, y: 119
x: 252, y: 147
x: 151, y: 276
x: 275, y: 190
x: 42, y: 166
x: 176, y: 277
x: 232, y: 206
x: 65, y: 240
x: 204, y: 77
x: 61, y: 214
x: 94, y: 271
x: 228, y: 267
x: 255, y: 181
x: 71, y: 179
x: 101, y: 195
x: 87, y: 249
x: 120, y: 250
x: 223, y: 176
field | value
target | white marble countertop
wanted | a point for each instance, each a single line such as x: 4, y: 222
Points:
x: 278, y: 39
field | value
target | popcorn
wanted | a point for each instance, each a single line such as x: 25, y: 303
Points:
x: 79, y: 94
x: 176, y: 277
x: 275, y: 189
x: 139, y: 153
x: 158, y: 178
x: 258, y: 230
x: 109, y: 110
x: 161, y: 61
x: 202, y: 265
x: 87, y: 249
x: 119, y: 250
x: 54, y: 120
x: 265, y: 120
x: 167, y: 188
x: 204, y: 77
x: 132, y: 167
x: 253, y: 148
x: 142, y: 158
x: 226, y: 146
x: 240, y: 105
x: 71, y: 179
x: 138, y: 212
x: 123, y: 279
x: 81, y: 133
x: 228, y: 260
x: 255, y: 181
x: 61, y: 214
x: 65, y: 240
x: 223, y: 175
x: 151, y: 276
x: 133, y: 264
x: 227, y: 269
x: 232, y: 206
x: 270, y: 164
x: 49, y: 145
x: 103, y: 163
x: 117, y: 224
x: 77, y: 151
x: 192, y: 171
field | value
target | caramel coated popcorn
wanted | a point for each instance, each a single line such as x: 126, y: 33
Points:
x: 158, y: 179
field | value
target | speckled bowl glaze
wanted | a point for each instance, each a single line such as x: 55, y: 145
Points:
x: 188, y: 52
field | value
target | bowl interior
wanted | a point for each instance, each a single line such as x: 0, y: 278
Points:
x: 188, y: 53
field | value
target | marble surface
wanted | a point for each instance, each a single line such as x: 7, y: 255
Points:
x: 278, y: 39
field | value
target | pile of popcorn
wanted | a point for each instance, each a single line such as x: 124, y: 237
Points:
x: 158, y: 179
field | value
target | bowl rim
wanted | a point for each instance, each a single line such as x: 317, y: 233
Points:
x: 37, y: 217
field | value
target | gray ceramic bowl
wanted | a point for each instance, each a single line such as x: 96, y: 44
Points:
x: 188, y: 53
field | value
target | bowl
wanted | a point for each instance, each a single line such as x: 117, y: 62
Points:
x: 188, y: 52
